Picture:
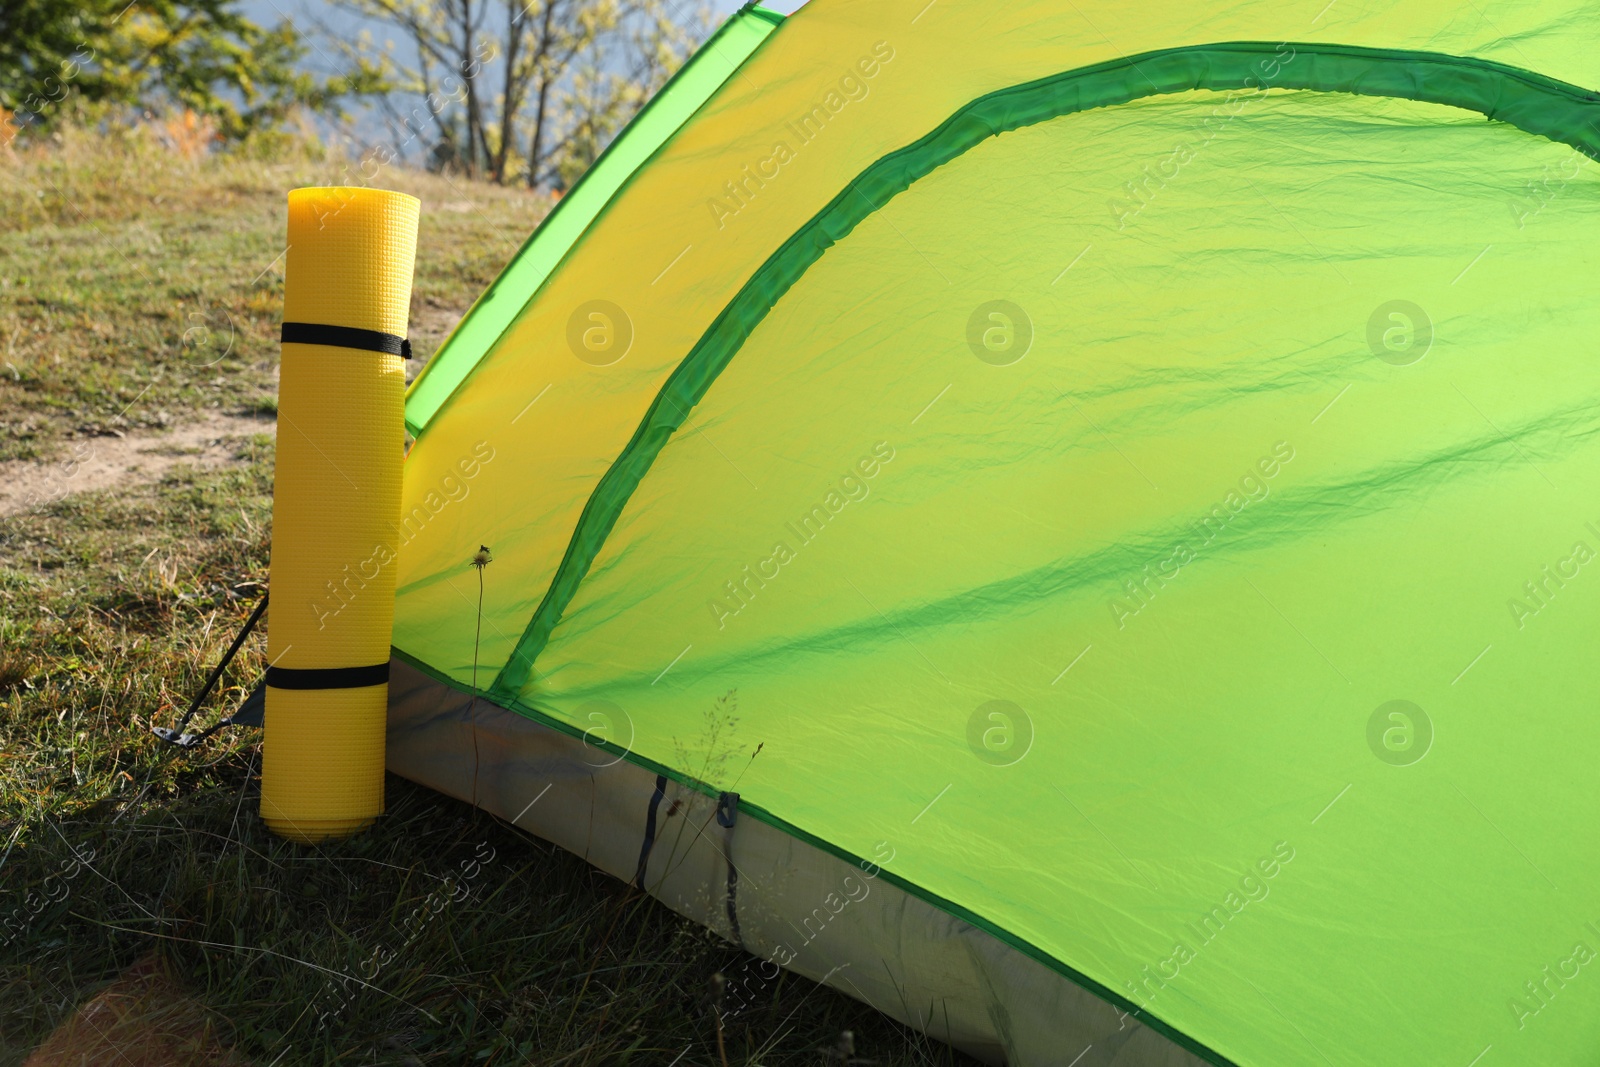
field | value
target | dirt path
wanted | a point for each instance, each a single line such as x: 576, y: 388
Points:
x: 102, y: 462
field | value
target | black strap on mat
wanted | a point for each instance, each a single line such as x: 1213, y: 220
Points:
x: 311, y: 333
x: 328, y: 677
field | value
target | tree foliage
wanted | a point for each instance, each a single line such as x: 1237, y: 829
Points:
x: 200, y: 55
x: 526, y: 90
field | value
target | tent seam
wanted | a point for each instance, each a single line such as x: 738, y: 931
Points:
x: 898, y: 170
x: 777, y: 822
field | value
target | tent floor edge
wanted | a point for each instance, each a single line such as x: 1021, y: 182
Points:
x: 801, y: 907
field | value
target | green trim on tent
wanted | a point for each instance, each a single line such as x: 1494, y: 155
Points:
x: 655, y: 124
x: 757, y: 11
x: 756, y: 811
x: 1531, y: 102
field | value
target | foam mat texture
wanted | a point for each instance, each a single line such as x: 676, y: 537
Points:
x: 336, y: 505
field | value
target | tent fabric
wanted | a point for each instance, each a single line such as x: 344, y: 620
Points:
x: 798, y: 907
x: 489, y: 316
x: 1132, y: 461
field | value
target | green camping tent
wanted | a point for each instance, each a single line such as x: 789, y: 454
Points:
x: 1066, y: 520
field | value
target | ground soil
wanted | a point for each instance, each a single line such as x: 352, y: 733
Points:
x: 89, y: 463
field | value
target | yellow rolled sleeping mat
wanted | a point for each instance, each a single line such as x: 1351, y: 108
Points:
x: 336, y: 508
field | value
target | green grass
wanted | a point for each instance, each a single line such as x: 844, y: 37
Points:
x: 137, y: 287
x: 113, y: 605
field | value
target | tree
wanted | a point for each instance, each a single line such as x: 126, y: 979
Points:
x: 202, y: 55
x: 527, y: 90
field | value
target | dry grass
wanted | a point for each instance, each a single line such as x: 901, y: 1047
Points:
x: 143, y: 1019
x: 115, y: 849
x: 138, y: 286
